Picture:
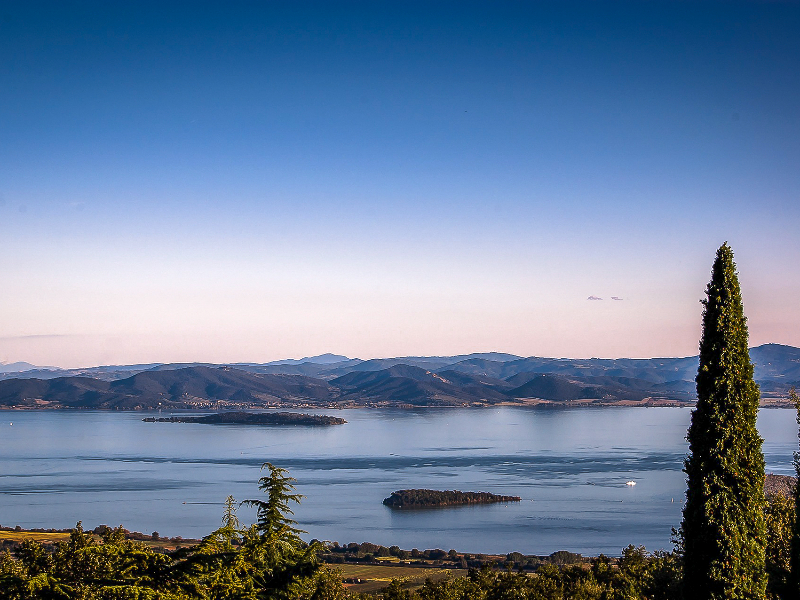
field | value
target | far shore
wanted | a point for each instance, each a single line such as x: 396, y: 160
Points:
x: 205, y: 406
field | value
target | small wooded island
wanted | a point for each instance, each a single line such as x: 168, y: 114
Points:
x: 245, y: 418
x: 436, y: 498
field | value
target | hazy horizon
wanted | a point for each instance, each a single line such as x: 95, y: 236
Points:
x: 410, y: 356
x: 250, y: 182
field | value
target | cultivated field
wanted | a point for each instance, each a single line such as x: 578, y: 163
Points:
x: 375, y: 577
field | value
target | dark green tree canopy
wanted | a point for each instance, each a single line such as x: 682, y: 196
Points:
x: 794, y: 559
x: 723, y: 530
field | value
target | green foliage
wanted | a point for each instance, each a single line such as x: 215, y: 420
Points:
x: 637, y: 576
x: 84, y: 568
x: 329, y: 586
x: 273, y: 522
x: 230, y: 567
x: 780, y: 522
x: 793, y: 589
x: 267, y: 560
x: 284, y: 564
x: 396, y: 591
x: 723, y: 529
x: 420, y: 498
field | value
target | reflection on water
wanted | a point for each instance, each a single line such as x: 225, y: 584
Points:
x: 569, y: 467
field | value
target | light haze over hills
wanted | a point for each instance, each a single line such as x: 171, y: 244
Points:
x: 467, y: 380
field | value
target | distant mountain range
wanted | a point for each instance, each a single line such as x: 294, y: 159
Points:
x: 334, y: 380
x: 16, y: 367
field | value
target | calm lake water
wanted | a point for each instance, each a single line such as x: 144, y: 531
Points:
x: 569, y: 467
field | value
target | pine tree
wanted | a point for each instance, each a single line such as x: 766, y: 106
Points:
x: 723, y: 529
x: 283, y: 566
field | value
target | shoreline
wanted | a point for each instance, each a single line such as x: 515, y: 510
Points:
x: 526, y: 403
x: 333, y: 553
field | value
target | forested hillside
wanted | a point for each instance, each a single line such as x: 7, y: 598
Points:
x: 470, y: 380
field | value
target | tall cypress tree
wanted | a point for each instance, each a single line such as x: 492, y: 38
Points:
x: 723, y: 529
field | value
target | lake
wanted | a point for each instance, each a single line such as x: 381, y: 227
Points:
x: 569, y: 466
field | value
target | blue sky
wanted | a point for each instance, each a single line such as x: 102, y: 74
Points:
x: 248, y: 181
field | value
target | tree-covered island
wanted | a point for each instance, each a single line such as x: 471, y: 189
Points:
x: 245, y: 418
x: 436, y: 498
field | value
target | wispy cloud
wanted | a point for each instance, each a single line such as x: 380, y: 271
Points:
x: 616, y: 298
x: 594, y: 298
x: 39, y: 336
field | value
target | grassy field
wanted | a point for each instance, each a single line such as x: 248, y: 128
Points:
x: 371, y: 578
x: 52, y: 538
x: 376, y: 577
x: 19, y: 536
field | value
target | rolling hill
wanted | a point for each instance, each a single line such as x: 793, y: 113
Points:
x: 406, y: 384
x: 465, y: 380
x: 188, y: 387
